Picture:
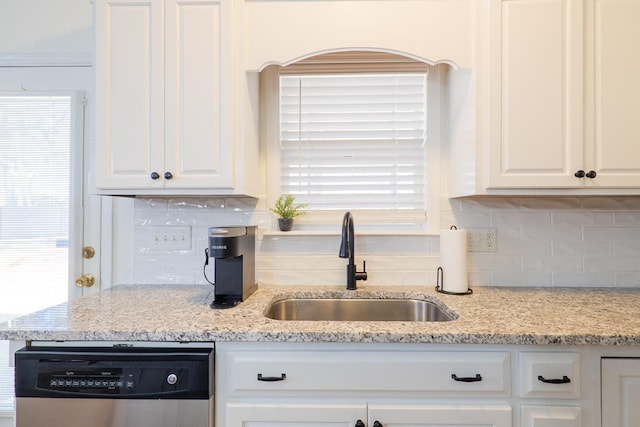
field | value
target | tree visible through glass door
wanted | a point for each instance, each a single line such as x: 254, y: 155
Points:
x: 35, y: 152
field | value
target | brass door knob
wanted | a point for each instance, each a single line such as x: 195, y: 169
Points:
x: 86, y: 281
x: 88, y: 252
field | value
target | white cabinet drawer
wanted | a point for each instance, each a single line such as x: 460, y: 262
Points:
x: 351, y: 372
x: 553, y: 375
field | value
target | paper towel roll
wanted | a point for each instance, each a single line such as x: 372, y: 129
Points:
x: 453, y: 260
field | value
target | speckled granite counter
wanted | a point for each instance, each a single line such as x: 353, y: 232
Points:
x: 489, y: 316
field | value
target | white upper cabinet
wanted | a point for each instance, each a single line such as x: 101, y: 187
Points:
x: 553, y: 100
x: 129, y: 93
x: 538, y: 141
x: 281, y: 32
x: 168, y: 100
x: 613, y: 124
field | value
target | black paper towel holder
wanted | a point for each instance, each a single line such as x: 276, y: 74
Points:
x: 440, y: 284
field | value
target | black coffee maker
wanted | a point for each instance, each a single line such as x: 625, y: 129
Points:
x: 233, y: 250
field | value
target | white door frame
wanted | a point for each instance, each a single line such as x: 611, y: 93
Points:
x: 87, y: 213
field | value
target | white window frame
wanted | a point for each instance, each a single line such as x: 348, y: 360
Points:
x: 368, y: 222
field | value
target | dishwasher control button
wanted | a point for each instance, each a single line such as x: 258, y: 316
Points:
x: 172, y: 379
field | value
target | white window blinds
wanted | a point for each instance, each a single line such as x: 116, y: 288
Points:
x: 354, y: 141
x: 35, y: 150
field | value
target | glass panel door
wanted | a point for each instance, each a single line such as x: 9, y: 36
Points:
x: 35, y: 151
x: 46, y: 214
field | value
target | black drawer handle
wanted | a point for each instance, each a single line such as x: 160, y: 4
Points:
x: 564, y: 380
x: 272, y: 379
x: 477, y: 378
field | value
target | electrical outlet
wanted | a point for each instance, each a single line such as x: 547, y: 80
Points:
x: 171, y: 238
x: 481, y: 240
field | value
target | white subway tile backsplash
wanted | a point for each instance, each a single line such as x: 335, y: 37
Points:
x: 552, y: 241
x: 583, y: 248
x: 520, y: 218
x: 552, y: 263
x: 509, y: 278
x: 186, y: 262
x: 150, y: 204
x: 627, y: 279
x: 611, y: 234
x: 510, y: 242
x: 479, y: 278
x: 611, y: 264
x: 626, y: 218
x: 586, y: 279
x: 241, y: 204
x: 551, y: 234
x: 472, y: 219
x: 626, y: 248
x: 184, y: 204
x: 561, y: 219
x: 492, y: 262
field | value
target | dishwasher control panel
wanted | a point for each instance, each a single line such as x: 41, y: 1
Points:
x: 81, y: 381
x: 114, y: 381
x: 126, y: 373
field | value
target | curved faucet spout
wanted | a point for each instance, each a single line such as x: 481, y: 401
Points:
x: 347, y: 250
x: 347, y: 237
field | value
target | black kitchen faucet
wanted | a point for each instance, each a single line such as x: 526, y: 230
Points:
x: 348, y: 250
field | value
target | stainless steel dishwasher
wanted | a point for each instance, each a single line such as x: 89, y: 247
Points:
x: 115, y: 386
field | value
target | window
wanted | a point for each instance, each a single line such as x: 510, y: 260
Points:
x: 352, y: 140
x: 357, y: 140
x: 42, y: 133
x: 35, y: 153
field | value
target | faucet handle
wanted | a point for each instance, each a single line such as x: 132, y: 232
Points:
x: 362, y: 275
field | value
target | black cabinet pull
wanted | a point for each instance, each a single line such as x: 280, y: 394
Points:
x: 579, y: 174
x: 564, y: 380
x: 272, y: 379
x: 155, y: 175
x: 359, y: 423
x: 168, y: 175
x: 591, y: 174
x: 377, y: 424
x: 477, y: 378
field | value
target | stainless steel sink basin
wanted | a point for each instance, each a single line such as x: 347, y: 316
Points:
x: 357, y: 309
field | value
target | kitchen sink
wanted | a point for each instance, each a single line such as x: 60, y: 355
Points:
x: 357, y: 309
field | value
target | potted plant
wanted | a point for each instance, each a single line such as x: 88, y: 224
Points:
x: 286, y: 208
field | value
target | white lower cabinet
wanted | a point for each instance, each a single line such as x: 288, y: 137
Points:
x: 309, y: 414
x: 556, y: 416
x: 553, y: 377
x: 324, y: 385
x: 426, y: 385
x: 620, y: 392
x: 303, y: 414
x: 439, y: 415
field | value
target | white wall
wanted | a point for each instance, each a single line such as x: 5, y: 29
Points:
x: 37, y: 27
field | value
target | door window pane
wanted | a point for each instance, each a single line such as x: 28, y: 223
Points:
x: 35, y: 135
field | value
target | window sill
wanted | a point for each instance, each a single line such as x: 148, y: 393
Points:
x: 276, y: 233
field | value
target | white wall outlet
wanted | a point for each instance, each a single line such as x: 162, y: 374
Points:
x: 481, y: 240
x: 170, y: 237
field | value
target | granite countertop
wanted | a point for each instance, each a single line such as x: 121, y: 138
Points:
x: 565, y: 316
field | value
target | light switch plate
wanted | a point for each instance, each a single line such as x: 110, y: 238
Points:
x: 170, y: 237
